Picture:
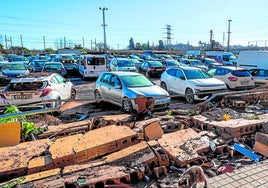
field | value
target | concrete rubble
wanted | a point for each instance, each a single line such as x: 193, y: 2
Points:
x: 123, y: 150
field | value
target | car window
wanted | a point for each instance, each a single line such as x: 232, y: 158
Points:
x: 211, y: 71
x: 179, y: 73
x: 136, y: 81
x: 115, y: 81
x: 106, y: 78
x: 55, y: 80
x: 195, y: 74
x: 60, y: 79
x: 26, y: 86
x: 172, y: 72
x: 241, y: 73
x: 95, y: 61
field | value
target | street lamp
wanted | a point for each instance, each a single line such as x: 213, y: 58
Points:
x: 229, y: 32
x: 104, y: 25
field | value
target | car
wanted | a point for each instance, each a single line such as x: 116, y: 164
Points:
x: 123, y: 88
x: 193, y: 83
x: 136, y: 63
x: 23, y: 59
x: 33, y: 89
x: 235, y: 78
x: 210, y: 62
x: 122, y: 64
x: 151, y: 68
x: 36, y: 65
x: 169, y: 63
x: 194, y: 63
x: 14, y: 69
x: 260, y: 76
x: 54, y: 67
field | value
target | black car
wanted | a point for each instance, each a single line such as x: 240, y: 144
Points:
x: 152, y: 68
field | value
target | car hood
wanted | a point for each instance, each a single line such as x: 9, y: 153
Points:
x: 206, y: 82
x: 152, y: 91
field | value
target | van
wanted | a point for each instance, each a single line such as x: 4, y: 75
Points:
x: 253, y: 59
x: 91, y: 66
x: 225, y: 58
x: 257, y: 64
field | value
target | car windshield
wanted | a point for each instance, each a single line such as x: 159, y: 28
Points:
x: 53, y: 66
x: 2, y: 59
x: 195, y: 74
x: 136, y: 81
x: 196, y: 63
x: 241, y: 73
x: 20, y: 59
x: 173, y: 63
x: 125, y: 64
x: 19, y: 66
x: 26, y: 86
x: 156, y: 63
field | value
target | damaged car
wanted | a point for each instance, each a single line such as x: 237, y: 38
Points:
x: 124, y: 89
x: 32, y: 90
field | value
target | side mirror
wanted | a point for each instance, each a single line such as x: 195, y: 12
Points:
x: 182, y: 77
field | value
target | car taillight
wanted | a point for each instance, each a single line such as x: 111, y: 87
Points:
x: 164, y: 68
x: 2, y: 96
x: 252, y: 78
x: 152, y: 68
x: 62, y: 70
x: 46, y: 92
x: 233, y: 79
x: 85, y: 63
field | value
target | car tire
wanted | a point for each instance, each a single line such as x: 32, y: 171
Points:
x: 98, y: 97
x: 127, y: 105
x: 147, y: 74
x: 73, y: 93
x: 163, y: 85
x: 188, y: 95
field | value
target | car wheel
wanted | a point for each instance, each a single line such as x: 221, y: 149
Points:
x: 147, y: 74
x: 189, y: 97
x: 126, y: 105
x: 97, y: 96
x: 73, y: 93
x: 57, y: 104
x: 163, y: 85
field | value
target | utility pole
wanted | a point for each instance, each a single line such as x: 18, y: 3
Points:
x: 64, y: 41
x: 6, y: 41
x: 104, y: 31
x: 223, y: 38
x: 21, y: 44
x: 229, y: 32
x: 11, y: 47
x: 44, y: 40
x: 83, y: 42
x: 211, y: 41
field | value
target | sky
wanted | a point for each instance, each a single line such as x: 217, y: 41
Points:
x: 143, y: 20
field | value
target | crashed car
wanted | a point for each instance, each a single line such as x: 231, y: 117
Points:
x: 32, y: 90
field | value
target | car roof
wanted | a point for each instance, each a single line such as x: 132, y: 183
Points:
x: 232, y: 68
x: 34, y: 77
x: 123, y: 73
x: 186, y: 68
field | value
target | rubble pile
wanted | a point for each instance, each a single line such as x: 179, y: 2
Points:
x: 155, y: 149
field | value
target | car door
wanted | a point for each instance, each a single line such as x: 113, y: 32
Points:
x: 63, y: 87
x: 179, y: 84
x: 115, y: 89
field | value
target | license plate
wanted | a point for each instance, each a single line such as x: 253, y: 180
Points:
x: 22, y: 96
x: 244, y: 82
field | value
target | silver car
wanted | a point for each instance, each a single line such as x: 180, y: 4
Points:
x: 123, y: 88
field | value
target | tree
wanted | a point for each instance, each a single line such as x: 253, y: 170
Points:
x: 138, y: 46
x: 131, y: 44
x: 161, y: 45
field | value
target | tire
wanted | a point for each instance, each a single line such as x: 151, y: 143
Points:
x: 189, y: 98
x: 147, y: 74
x: 58, y: 103
x: 73, y: 93
x: 98, y: 97
x: 163, y: 85
x: 126, y: 105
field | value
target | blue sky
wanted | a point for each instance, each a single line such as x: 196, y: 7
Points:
x: 143, y: 20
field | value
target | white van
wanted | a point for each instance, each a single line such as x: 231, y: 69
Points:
x: 253, y: 59
x: 90, y: 66
x: 257, y: 64
x: 225, y: 58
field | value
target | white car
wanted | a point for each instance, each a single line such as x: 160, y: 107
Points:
x: 33, y: 89
x: 191, y: 82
